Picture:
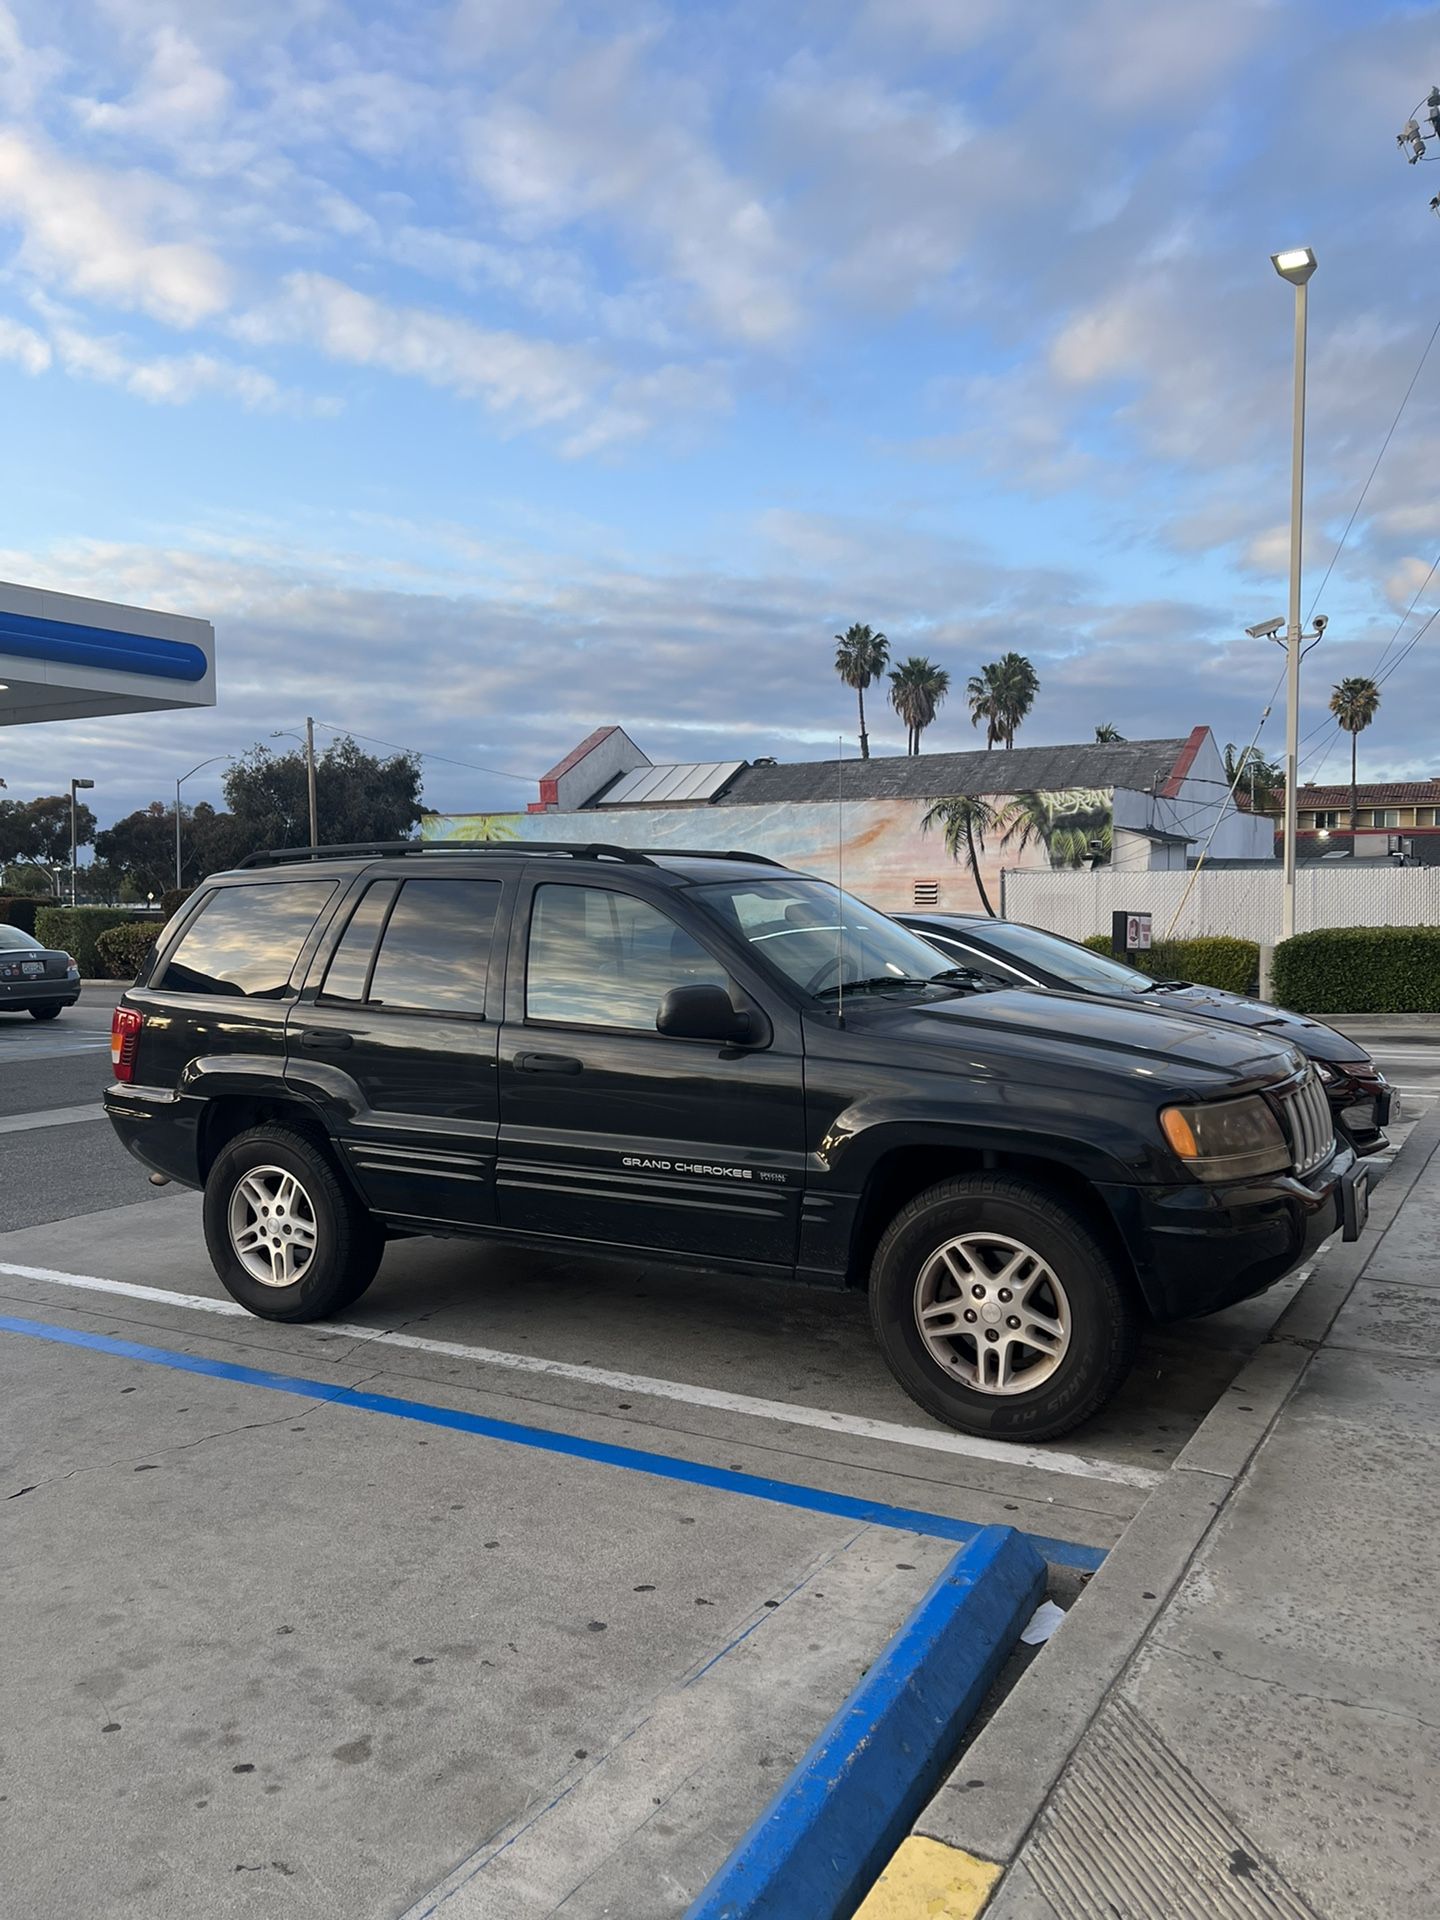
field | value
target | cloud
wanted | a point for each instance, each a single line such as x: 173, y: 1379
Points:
x: 91, y: 231
x: 530, y: 383
x: 29, y: 351
x: 166, y: 379
x: 179, y: 95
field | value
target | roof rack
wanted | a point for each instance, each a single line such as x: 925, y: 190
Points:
x: 569, y: 849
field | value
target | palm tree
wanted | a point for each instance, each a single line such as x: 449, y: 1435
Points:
x: 1354, y: 704
x: 917, y: 686
x: 860, y: 657
x: 965, y: 819
x: 1073, y: 825
x: 1108, y: 736
x: 1001, y: 695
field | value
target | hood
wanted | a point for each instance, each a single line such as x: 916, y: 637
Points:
x: 1123, y: 1034
x: 1315, y: 1040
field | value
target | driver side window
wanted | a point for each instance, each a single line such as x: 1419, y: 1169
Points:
x: 603, y: 959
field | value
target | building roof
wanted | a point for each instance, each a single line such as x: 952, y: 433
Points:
x: 1383, y: 793
x: 577, y: 754
x: 669, y: 786
x: 1138, y: 764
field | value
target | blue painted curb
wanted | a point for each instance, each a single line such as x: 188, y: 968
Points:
x: 823, y: 1841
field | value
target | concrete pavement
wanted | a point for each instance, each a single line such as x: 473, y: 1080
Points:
x: 1244, y: 1717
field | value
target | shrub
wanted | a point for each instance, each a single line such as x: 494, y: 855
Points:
x: 18, y: 911
x: 1360, y: 970
x: 121, y: 951
x: 172, y: 900
x: 76, y: 929
x: 1210, y: 960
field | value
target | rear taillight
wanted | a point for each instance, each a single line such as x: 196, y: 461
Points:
x: 124, y: 1039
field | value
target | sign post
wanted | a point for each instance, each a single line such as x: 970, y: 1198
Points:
x: 1129, y: 933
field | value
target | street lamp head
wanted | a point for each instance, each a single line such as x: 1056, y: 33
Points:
x: 81, y: 785
x: 1296, y: 265
x: 1267, y: 629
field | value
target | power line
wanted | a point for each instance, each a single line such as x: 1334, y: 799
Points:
x: 1354, y: 511
x: 502, y: 773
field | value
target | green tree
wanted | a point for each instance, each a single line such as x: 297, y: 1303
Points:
x: 358, y: 796
x: 141, y: 846
x: 917, y: 687
x: 965, y: 819
x: 860, y: 657
x: 36, y: 833
x: 1354, y: 703
x: 1109, y: 736
x: 1002, y: 694
x: 30, y: 882
x: 1249, y: 772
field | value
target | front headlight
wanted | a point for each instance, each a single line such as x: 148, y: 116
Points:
x: 1227, y: 1139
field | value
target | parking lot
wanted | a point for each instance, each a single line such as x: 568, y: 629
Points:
x: 518, y: 1592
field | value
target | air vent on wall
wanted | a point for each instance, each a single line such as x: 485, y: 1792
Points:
x: 927, y: 893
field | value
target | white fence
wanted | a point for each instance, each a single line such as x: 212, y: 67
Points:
x: 1242, y: 901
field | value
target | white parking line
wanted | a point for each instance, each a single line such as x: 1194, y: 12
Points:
x: 52, y: 1117
x: 933, y: 1439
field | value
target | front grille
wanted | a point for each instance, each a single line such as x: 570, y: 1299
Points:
x: 1310, y: 1126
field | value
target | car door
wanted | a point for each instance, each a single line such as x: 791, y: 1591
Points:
x: 615, y: 1133
x: 395, y: 1036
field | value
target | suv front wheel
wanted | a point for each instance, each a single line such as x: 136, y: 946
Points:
x: 287, y: 1240
x: 998, y: 1309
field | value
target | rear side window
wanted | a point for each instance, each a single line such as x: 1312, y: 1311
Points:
x: 434, y: 947
x: 245, y: 940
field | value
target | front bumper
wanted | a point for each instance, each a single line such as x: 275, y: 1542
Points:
x: 1197, y: 1248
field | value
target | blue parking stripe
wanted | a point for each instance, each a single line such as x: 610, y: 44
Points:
x: 785, y: 1493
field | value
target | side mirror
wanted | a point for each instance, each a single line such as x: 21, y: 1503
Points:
x: 702, y: 1013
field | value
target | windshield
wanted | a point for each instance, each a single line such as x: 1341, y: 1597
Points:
x: 821, y: 940
x: 1077, y: 966
x: 13, y: 937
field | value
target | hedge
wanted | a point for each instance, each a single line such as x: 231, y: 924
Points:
x: 172, y: 900
x: 1360, y: 970
x: 121, y: 951
x: 19, y: 910
x: 1210, y: 960
x: 76, y: 929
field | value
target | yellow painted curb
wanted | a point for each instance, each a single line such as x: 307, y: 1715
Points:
x: 927, y: 1880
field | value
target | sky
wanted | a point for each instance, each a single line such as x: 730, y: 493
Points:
x: 489, y: 372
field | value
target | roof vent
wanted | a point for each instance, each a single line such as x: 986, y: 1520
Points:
x: 765, y: 760
x: 927, y: 893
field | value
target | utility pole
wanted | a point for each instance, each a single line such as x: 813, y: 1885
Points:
x: 1296, y: 266
x: 76, y: 786
x: 310, y: 778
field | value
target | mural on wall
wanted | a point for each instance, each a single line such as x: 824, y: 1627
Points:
x: 883, y: 848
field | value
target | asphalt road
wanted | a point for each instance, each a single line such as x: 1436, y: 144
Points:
x: 277, y: 1646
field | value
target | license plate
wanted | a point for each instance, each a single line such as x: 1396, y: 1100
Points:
x: 31, y: 967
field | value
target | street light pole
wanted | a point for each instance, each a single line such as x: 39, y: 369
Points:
x: 183, y: 777
x: 76, y: 786
x: 1296, y: 266
x: 310, y: 778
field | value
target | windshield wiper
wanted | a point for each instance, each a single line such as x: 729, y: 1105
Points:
x: 876, y: 984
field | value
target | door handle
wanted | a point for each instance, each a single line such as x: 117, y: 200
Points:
x: 547, y: 1063
x: 324, y: 1040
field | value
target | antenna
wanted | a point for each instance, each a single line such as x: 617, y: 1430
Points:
x: 840, y: 881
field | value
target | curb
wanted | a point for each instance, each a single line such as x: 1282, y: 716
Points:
x: 984, y: 1812
x: 851, y: 1801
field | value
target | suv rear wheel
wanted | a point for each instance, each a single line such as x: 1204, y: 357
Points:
x: 998, y: 1309
x: 286, y: 1238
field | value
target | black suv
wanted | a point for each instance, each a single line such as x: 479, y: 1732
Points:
x: 709, y: 1058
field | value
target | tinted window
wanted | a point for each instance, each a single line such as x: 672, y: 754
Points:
x: 819, y: 938
x: 1077, y: 966
x: 16, y: 937
x: 600, y: 959
x: 435, y: 952
x: 246, y: 940
x: 349, y: 969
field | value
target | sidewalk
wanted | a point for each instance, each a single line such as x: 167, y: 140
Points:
x: 1246, y: 1705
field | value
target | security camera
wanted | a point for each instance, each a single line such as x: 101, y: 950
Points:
x: 1321, y: 622
x: 1267, y: 629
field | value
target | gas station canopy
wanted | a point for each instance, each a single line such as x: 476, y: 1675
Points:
x: 66, y: 658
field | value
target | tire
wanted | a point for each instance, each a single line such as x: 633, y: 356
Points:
x: 46, y: 1013
x: 330, y: 1243
x: 1078, y: 1357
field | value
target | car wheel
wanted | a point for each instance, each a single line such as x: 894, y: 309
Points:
x: 45, y: 1013
x: 288, y: 1240
x: 998, y: 1309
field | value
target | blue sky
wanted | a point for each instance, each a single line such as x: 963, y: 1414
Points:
x: 488, y: 372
